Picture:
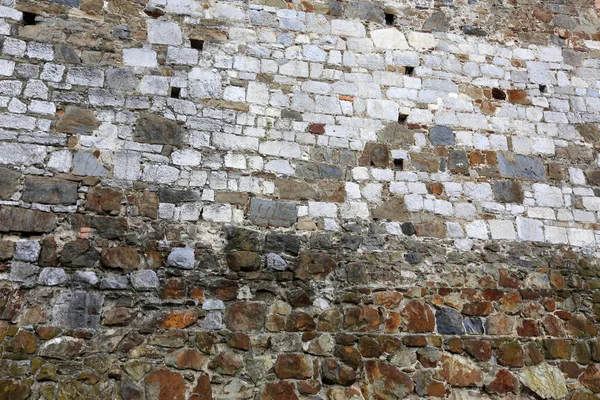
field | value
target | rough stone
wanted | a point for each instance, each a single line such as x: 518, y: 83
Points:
x: 544, y: 380
x: 449, y: 322
x: 181, y: 258
x: 9, y: 180
x: 86, y: 164
x: 50, y: 191
x: 441, y: 136
x: 272, y: 213
x: 78, y: 121
x: 79, y: 253
x: 154, y: 129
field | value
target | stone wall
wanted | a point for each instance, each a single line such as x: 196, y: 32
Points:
x: 285, y: 200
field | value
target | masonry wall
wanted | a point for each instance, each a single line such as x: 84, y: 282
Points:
x: 298, y: 200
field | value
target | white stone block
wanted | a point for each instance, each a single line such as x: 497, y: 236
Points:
x: 502, y: 229
x: 547, y: 196
x: 354, y: 210
x: 581, y: 237
x: 530, y: 229
x: 421, y: 41
x: 476, y: 229
x: 140, y: 58
x: 318, y: 209
x: 217, y: 212
x: 389, y: 39
x: 164, y: 32
x: 556, y: 235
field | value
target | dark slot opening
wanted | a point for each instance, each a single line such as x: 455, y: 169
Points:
x: 389, y: 19
x: 29, y: 18
x: 398, y: 164
x: 543, y: 88
x: 175, y: 92
x: 402, y: 118
x: 197, y: 44
x: 409, y: 70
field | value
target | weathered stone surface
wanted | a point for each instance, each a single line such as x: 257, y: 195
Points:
x: 145, y: 279
x: 85, y: 163
x: 589, y: 132
x: 293, y: 366
x: 386, y: 381
x: 164, y: 385
x: 244, y: 261
x: 50, y: 191
x: 181, y: 257
x: 77, y: 310
x: 9, y: 180
x: 507, y: 191
x: 63, y: 348
x: 503, y: 382
x: 105, y: 227
x: 591, y: 378
x: 272, y: 213
x: 519, y: 166
x: 154, y: 129
x: 186, y: 359
x: 126, y: 258
x: 77, y: 120
x: 167, y: 195
x: 279, y: 391
x: 544, y: 380
x: 314, y: 266
x: 245, y: 316
x: 459, y: 371
x: 393, y: 209
x: 449, y: 322
x: 418, y: 317
x: 79, y: 253
x: 52, y: 277
x: 335, y: 373
x: 375, y: 155
x: 441, y: 136
x: 104, y: 200
x: 13, y: 390
x: 176, y: 320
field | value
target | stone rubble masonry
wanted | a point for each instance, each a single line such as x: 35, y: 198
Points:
x: 299, y: 199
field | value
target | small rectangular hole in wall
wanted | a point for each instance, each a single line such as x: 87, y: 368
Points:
x: 398, y: 164
x: 389, y: 18
x: 175, y: 92
x: 29, y: 18
x: 543, y: 88
x: 409, y: 70
x: 197, y: 44
x: 402, y: 118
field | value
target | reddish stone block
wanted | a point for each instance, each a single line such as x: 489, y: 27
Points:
x: 317, y: 129
x: 415, y: 341
x: 479, y: 349
x: 385, y: 381
x: 309, y: 387
x: 293, y: 366
x: 591, y: 378
x: 334, y: 373
x: 459, y: 371
x: 480, y: 308
x: 165, y: 385
x: 239, y: 340
x: 388, y: 299
x: 202, y: 390
x: 245, y: 316
x: 504, y: 382
x: 369, y: 347
x: 362, y: 319
x: 177, y: 320
x: 300, y: 322
x: 348, y: 355
x: 186, y: 359
x: 279, y: 391
x: 418, y: 317
x: 528, y: 328
x: 329, y: 320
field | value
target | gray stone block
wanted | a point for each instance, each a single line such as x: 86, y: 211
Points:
x: 50, y: 191
x: 86, y: 164
x: 272, y: 213
x: 449, y: 322
x: 507, y: 191
x: 114, y: 282
x: 27, y: 250
x: 521, y: 166
x: 78, y: 310
x: 441, y: 136
x: 23, y: 272
x: 52, y: 277
x: 144, y: 279
x: 167, y: 195
x: 181, y: 257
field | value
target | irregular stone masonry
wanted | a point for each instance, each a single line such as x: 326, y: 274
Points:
x: 299, y: 200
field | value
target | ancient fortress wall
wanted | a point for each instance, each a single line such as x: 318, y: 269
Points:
x: 284, y: 200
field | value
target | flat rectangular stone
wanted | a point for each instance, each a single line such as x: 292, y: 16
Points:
x: 50, y: 191
x: 14, y: 219
x: 519, y: 166
x: 272, y: 213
